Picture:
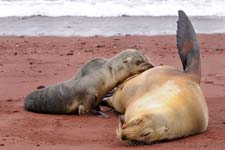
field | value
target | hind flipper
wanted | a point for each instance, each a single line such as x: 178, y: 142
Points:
x: 187, y: 45
x: 100, y: 114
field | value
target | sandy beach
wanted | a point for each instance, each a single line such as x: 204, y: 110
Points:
x: 28, y: 62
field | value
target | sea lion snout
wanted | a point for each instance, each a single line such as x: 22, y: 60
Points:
x: 141, y: 64
x: 130, y: 130
x: 147, y: 65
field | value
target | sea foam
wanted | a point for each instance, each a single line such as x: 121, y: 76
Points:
x: 106, y: 8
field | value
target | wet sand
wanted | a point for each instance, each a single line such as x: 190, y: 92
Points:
x: 28, y: 62
x: 107, y: 26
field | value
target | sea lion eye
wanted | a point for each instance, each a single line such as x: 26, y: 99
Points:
x: 138, y: 62
x: 146, y: 134
x: 125, y: 61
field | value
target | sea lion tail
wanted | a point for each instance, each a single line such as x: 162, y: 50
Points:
x: 187, y: 45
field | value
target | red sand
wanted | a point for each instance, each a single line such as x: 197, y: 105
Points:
x: 28, y: 62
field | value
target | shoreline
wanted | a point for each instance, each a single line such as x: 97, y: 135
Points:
x: 104, y: 26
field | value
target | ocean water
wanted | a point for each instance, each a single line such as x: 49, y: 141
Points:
x: 110, y: 8
x: 107, y: 17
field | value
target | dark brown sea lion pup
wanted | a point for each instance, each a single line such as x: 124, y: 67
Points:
x: 87, y: 88
x: 164, y: 103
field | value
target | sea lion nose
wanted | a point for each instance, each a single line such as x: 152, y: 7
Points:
x: 124, y: 137
x: 148, y: 65
x: 151, y: 65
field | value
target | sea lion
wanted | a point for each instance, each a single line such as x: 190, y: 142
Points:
x: 86, y: 89
x: 164, y: 103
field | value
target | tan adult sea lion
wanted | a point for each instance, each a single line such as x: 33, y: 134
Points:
x: 86, y: 89
x: 164, y: 103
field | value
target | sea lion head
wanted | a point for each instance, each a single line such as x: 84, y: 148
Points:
x: 143, y: 129
x: 132, y: 62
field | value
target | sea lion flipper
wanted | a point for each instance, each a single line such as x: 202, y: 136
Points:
x: 187, y: 45
x: 100, y: 114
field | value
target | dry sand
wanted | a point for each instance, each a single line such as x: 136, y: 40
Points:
x: 28, y: 62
